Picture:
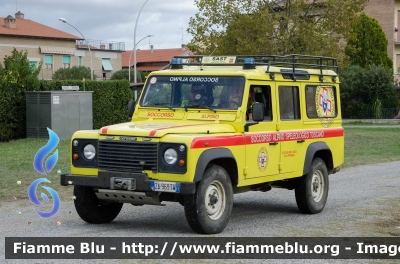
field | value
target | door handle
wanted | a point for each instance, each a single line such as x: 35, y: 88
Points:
x: 273, y: 143
x: 300, y: 141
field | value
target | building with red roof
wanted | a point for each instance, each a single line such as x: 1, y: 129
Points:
x: 56, y: 49
x: 152, y: 59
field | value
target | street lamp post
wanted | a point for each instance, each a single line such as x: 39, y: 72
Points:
x: 130, y: 55
x: 91, y: 65
x: 134, y: 42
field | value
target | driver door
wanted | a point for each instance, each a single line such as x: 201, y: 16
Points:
x: 262, y: 139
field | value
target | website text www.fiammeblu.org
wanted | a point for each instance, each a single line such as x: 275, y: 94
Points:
x: 201, y: 248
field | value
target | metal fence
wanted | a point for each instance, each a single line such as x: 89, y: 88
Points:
x: 369, y: 113
x: 101, y: 45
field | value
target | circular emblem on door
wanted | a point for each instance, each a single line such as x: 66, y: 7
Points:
x: 325, y: 105
x: 262, y: 159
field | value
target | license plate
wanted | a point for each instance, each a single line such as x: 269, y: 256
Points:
x: 160, y: 186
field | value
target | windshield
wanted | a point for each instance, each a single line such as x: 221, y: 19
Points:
x: 193, y: 92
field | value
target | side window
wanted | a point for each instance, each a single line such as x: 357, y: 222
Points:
x: 106, y: 63
x: 48, y: 61
x: 321, y: 101
x: 260, y: 94
x: 66, y: 60
x: 289, y: 102
x: 33, y: 65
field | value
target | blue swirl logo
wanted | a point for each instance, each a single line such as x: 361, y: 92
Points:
x: 34, y: 199
x: 49, y: 163
x: 44, y: 151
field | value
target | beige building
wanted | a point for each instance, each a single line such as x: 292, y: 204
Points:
x: 387, y: 13
x: 57, y: 49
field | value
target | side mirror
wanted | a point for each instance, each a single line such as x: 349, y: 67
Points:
x: 258, y: 112
x: 131, y: 107
x: 258, y: 115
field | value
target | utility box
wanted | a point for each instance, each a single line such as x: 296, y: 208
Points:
x: 64, y: 112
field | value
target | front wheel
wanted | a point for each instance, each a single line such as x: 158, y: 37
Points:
x: 209, y: 209
x: 312, y: 189
x: 91, y: 209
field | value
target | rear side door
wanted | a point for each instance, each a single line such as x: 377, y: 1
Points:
x: 290, y: 126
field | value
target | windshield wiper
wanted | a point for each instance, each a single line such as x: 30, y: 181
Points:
x: 200, y: 107
x: 190, y: 106
x: 165, y: 105
x: 207, y: 107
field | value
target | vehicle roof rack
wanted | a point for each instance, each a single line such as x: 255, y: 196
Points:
x: 295, y: 62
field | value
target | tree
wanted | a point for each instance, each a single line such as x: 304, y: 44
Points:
x: 16, y: 77
x: 124, y: 75
x: 362, y: 88
x: 74, y: 73
x: 280, y: 27
x: 18, y: 72
x: 367, y: 44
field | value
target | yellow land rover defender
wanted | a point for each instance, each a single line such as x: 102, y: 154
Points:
x: 212, y: 126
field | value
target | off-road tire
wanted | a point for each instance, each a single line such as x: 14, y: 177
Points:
x: 91, y: 209
x: 312, y: 189
x: 209, y: 209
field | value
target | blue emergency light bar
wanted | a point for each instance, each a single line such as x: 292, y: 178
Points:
x: 176, y: 63
x: 249, y: 63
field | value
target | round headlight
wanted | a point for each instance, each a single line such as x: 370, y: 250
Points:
x: 170, y: 156
x: 75, y: 143
x: 89, y: 151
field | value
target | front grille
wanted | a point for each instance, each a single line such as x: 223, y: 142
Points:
x: 127, y: 156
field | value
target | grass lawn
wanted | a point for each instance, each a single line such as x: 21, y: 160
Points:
x: 16, y: 166
x: 362, y: 146
x: 371, y: 145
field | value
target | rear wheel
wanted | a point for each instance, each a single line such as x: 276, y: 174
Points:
x: 93, y: 210
x: 209, y: 209
x: 312, y: 189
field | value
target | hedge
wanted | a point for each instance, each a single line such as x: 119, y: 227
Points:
x: 109, y: 99
x: 12, y: 113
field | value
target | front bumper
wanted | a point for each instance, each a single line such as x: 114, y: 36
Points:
x: 138, y: 182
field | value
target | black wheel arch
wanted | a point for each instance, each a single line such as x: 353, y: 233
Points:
x: 320, y: 150
x: 218, y: 156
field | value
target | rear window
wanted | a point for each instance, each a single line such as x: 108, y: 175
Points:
x: 321, y: 101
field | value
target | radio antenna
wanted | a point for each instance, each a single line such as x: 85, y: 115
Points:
x: 182, y: 36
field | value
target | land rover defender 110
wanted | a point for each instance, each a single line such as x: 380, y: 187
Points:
x: 212, y: 126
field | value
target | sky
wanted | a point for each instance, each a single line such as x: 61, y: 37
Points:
x: 113, y: 20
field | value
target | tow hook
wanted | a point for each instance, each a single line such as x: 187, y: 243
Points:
x: 122, y: 184
x: 337, y: 169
